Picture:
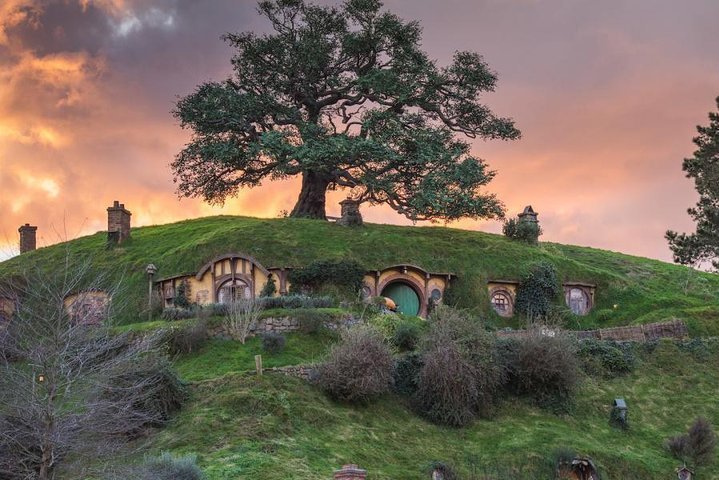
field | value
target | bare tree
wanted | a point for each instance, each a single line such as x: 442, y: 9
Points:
x: 70, y: 390
x: 241, y: 316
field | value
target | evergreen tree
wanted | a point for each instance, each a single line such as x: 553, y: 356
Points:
x: 703, y: 167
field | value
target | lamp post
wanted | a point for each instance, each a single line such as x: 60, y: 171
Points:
x: 151, y: 270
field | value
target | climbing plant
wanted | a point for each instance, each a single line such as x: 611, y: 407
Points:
x: 537, y: 292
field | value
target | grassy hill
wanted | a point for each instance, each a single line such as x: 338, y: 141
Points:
x: 276, y: 427
x: 642, y: 290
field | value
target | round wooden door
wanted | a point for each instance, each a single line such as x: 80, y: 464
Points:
x: 404, y: 296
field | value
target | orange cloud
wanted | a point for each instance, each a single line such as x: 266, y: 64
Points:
x: 607, y: 107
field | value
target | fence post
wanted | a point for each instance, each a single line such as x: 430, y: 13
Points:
x: 258, y: 364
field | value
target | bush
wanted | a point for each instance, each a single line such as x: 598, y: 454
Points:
x: 182, y: 296
x: 181, y: 341
x: 359, y: 369
x: 544, y: 368
x: 606, y: 358
x: 389, y: 323
x: 163, y: 392
x: 344, y: 274
x: 406, y: 373
x: 273, y: 343
x: 298, y: 301
x: 527, y: 232
x: 168, y: 467
x: 270, y: 287
x: 312, y: 322
x: 537, y: 292
x: 448, y: 392
x: 461, y: 373
x: 406, y: 336
x: 174, y: 313
x: 697, y: 446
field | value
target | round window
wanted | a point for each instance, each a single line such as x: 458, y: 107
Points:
x: 502, y: 303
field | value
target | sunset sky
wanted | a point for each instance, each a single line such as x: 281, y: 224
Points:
x: 607, y: 95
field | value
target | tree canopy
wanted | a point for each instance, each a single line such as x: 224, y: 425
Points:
x: 345, y: 97
x: 703, y: 167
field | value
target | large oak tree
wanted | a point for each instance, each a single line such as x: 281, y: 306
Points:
x: 345, y: 97
x: 703, y: 167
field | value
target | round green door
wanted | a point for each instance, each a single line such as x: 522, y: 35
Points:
x: 404, y: 296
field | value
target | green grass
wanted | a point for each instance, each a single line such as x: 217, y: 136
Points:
x: 274, y: 427
x: 642, y: 289
x: 223, y: 356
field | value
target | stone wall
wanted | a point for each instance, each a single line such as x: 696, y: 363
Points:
x: 281, y: 325
x: 304, y: 372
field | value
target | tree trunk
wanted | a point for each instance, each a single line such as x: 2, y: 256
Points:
x: 311, y: 202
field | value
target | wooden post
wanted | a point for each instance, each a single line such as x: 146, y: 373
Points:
x: 258, y: 364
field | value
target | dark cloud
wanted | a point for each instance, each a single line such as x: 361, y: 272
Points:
x: 607, y: 95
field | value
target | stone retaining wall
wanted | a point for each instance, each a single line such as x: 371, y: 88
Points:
x: 304, y: 372
x: 281, y: 325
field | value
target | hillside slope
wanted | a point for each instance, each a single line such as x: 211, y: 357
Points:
x: 629, y: 289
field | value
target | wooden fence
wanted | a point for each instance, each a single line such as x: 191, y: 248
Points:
x: 634, y: 333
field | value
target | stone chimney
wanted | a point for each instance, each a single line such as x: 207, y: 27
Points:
x: 351, y: 216
x: 528, y: 215
x: 28, y: 238
x: 350, y: 472
x: 118, y: 223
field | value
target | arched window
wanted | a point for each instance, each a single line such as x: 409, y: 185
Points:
x: 578, y: 301
x: 233, y: 290
x: 502, y: 303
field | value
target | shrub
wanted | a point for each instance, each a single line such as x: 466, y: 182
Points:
x: 344, y: 274
x: 168, y: 467
x: 241, y: 316
x: 175, y: 313
x: 358, y: 369
x: 163, y: 392
x: 460, y: 373
x: 406, y: 336
x: 544, y: 368
x: 406, y: 373
x: 186, y: 340
x: 312, y: 322
x: 270, y: 287
x: 537, y: 292
x: 606, y: 358
x: 273, y: 343
x: 695, y: 447
x: 182, y: 296
x: 447, y: 389
x: 527, y: 232
x: 297, y: 301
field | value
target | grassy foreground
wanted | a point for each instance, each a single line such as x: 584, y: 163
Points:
x: 629, y: 289
x: 274, y: 427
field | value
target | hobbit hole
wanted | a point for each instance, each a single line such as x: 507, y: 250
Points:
x: 404, y: 297
x: 579, y: 297
x: 88, y: 308
x: 502, y: 303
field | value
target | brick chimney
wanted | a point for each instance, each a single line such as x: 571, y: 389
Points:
x: 351, y: 216
x: 28, y: 241
x: 118, y: 223
x: 350, y: 472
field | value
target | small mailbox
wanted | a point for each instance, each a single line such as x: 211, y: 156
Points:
x: 619, y: 416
